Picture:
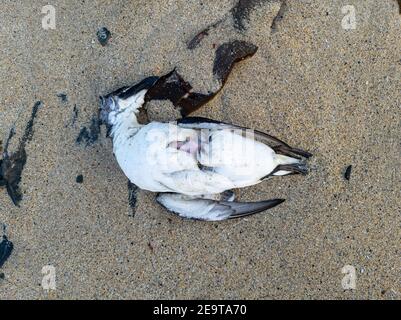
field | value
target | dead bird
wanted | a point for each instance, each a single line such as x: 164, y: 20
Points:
x: 195, y: 162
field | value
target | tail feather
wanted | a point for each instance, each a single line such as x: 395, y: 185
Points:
x: 287, y: 165
x: 295, y: 168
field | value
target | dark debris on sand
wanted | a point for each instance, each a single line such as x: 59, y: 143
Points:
x: 12, y: 165
x: 347, y: 174
x: 242, y: 10
x: 6, y: 248
x: 228, y: 54
x: 80, y: 179
x: 89, y: 135
x: 173, y: 87
x: 103, y: 35
x: 63, y: 97
x: 132, y: 197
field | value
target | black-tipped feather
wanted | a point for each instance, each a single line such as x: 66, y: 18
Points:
x: 247, y: 209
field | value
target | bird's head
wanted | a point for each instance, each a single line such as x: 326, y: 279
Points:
x: 108, y: 109
x: 125, y: 99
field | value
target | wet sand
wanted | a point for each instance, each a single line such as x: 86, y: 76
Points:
x: 319, y: 87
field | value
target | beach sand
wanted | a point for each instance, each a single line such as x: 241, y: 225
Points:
x: 312, y: 83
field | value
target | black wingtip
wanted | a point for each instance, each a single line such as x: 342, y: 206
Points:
x: 303, y: 153
x: 278, y: 201
x: 270, y: 204
x: 257, y: 207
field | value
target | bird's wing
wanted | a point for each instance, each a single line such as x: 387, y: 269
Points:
x: 209, y: 210
x: 196, y: 182
x: 276, y: 144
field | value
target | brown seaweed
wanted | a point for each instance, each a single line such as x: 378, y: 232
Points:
x: 174, y: 88
x: 228, y: 54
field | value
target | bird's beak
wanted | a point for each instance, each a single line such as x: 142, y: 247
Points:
x: 105, y: 107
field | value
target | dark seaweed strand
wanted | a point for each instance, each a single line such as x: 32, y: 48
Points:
x: 132, y: 197
x: 228, y: 54
x: 12, y: 166
x: 90, y: 135
x: 242, y: 11
x: 75, y: 114
x: 2, y: 180
x: 63, y: 97
x: 29, y: 127
x: 174, y: 88
x: 6, y: 248
x: 10, y: 136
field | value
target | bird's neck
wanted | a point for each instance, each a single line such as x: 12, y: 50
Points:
x: 125, y: 127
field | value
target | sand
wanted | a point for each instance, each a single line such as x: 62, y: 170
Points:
x: 331, y: 91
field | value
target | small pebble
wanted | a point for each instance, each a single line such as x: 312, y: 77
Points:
x: 103, y: 35
x: 63, y: 97
x: 80, y: 179
x: 348, y: 172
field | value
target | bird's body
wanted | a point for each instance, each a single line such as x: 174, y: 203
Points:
x: 164, y: 157
x: 194, y: 160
